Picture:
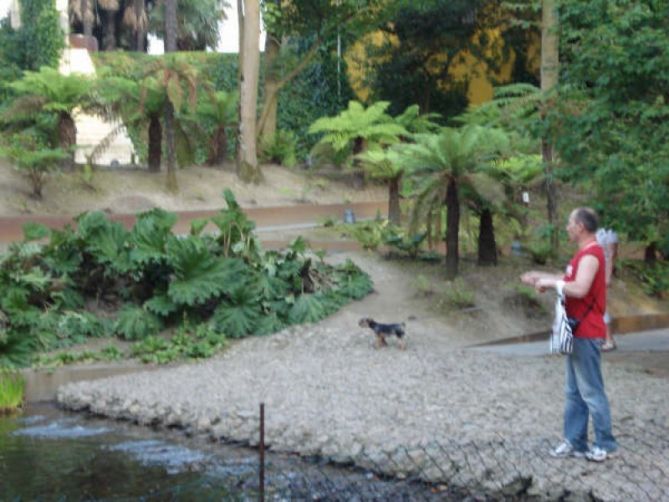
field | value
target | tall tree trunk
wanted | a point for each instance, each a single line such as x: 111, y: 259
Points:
x: 267, y: 124
x: 550, y: 60
x: 170, y: 46
x: 155, y: 144
x: 487, y: 244
x: 394, y: 213
x: 452, y: 229
x: 109, y: 37
x: 240, y: 29
x: 140, y: 33
x: 247, y: 160
x: 272, y: 92
x: 86, y: 21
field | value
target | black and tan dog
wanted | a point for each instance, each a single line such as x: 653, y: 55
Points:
x: 381, y: 331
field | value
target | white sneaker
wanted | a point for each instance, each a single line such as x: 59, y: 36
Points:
x: 597, y: 454
x: 564, y: 450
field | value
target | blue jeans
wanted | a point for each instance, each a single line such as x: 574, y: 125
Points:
x: 584, y: 393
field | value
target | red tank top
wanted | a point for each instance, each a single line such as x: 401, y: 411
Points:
x: 592, y: 320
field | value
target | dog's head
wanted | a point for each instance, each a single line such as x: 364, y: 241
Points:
x: 364, y: 322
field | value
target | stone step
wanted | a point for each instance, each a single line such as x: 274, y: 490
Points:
x: 76, y: 61
x: 91, y: 129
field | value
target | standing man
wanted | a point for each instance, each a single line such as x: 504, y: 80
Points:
x: 584, y: 286
x: 608, y: 239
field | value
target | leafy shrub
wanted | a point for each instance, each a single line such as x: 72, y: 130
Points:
x: 370, y: 234
x: 423, y: 285
x: 135, y: 323
x: 280, y: 149
x: 109, y: 353
x: 457, y: 296
x: 12, y: 386
x: 654, y: 278
x: 196, y: 342
x: 76, y: 327
x: 525, y: 297
x: 33, y: 158
x: 154, y: 279
x: 540, y: 252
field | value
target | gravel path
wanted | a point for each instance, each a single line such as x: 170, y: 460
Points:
x: 435, y: 410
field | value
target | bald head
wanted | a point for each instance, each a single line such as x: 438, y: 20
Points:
x: 587, y: 217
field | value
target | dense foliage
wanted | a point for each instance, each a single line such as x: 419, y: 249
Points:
x: 613, y: 112
x: 38, y: 42
x: 101, y: 279
x: 428, y: 44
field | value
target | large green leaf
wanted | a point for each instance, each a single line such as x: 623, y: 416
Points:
x: 308, y: 308
x: 35, y: 231
x: 135, y: 323
x: 269, y: 323
x: 237, y: 317
x: 150, y: 234
x: 199, y: 275
x: 108, y: 244
x: 161, y: 305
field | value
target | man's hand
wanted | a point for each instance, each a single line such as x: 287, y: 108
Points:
x: 529, y: 278
x: 543, y: 284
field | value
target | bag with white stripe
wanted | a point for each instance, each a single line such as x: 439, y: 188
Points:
x: 562, y: 338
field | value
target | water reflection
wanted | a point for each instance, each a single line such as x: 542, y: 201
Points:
x: 49, y: 454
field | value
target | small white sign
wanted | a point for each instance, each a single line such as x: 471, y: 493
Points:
x: 526, y: 197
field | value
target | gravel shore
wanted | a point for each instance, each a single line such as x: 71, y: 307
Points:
x: 436, y: 410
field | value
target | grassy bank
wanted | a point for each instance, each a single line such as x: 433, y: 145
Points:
x: 12, y: 387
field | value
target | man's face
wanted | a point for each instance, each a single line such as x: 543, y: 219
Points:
x: 573, y: 227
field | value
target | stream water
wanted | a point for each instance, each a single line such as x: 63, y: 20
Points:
x: 50, y: 454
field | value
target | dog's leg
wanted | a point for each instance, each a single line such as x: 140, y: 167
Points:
x: 380, y: 342
x: 403, y: 344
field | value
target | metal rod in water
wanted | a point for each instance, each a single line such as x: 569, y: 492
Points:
x: 261, y: 446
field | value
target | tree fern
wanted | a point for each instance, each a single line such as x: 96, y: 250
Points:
x: 371, y: 125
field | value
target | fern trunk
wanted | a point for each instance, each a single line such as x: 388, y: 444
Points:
x: 487, y: 245
x: 218, y: 147
x: 67, y: 137
x: 170, y: 139
x: 394, y: 213
x: 452, y: 229
x: 155, y: 144
x: 650, y: 254
x: 170, y: 125
x: 359, y: 146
